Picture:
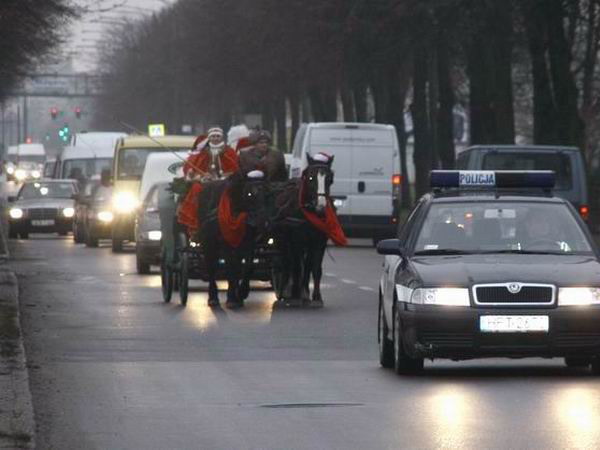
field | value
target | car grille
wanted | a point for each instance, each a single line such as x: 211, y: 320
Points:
x: 526, y: 295
x: 574, y: 340
x: 42, y: 213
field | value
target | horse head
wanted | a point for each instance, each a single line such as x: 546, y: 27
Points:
x: 249, y: 196
x: 317, y: 179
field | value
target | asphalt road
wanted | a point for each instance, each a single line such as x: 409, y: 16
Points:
x: 112, y: 367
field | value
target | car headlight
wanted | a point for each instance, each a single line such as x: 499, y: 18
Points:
x: 20, y: 174
x: 155, y: 235
x: 16, y: 213
x: 105, y: 216
x: 578, y: 296
x: 36, y: 174
x: 271, y: 241
x: 69, y: 212
x: 441, y: 297
x: 125, y: 202
x: 10, y: 170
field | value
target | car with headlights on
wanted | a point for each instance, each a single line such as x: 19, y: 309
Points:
x: 148, y: 233
x: 46, y: 206
x: 93, y: 215
x: 490, y: 264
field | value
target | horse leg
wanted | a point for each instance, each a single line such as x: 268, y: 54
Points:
x: 317, y: 271
x: 234, y: 263
x: 247, y: 270
x: 210, y: 255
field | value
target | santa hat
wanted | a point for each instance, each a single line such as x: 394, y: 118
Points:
x: 200, y: 143
x: 255, y: 174
x: 322, y: 157
x: 215, y: 131
x: 243, y: 144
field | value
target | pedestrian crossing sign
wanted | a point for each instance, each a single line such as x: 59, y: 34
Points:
x: 156, y: 130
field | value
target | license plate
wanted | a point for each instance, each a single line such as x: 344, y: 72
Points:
x: 514, y: 324
x: 42, y: 223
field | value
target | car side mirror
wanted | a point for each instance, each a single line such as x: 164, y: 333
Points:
x: 390, y: 247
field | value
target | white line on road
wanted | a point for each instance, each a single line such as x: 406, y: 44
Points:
x: 345, y: 280
x: 366, y: 288
x: 330, y: 274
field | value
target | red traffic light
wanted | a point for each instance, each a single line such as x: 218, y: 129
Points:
x: 53, y: 113
x: 78, y: 112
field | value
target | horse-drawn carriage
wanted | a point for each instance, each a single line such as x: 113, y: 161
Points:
x: 183, y: 258
x: 251, y: 230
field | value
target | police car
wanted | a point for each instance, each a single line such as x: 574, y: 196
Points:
x: 490, y: 264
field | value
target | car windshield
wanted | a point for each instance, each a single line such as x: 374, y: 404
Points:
x: 523, y: 160
x: 83, y: 169
x: 132, y: 161
x: 501, y: 227
x: 31, y: 191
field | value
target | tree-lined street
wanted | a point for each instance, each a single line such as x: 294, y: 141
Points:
x: 111, y: 366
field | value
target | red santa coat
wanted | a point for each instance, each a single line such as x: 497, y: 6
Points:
x: 201, y: 162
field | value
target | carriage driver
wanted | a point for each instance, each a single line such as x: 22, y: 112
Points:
x: 262, y: 156
x: 210, y: 159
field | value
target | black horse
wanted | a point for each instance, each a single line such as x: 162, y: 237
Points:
x: 301, y: 244
x: 246, y: 198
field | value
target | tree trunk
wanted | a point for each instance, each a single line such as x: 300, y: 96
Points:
x: 268, y: 120
x: 347, y: 103
x: 295, y: 113
x: 445, y: 111
x: 360, y: 102
x: 281, y: 117
x: 422, y: 131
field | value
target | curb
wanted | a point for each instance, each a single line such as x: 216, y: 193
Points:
x: 17, y: 425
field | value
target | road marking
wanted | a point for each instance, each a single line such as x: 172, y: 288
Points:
x: 330, y: 274
x: 345, y: 280
x: 366, y: 288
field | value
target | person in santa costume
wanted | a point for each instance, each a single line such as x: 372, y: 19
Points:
x: 210, y: 159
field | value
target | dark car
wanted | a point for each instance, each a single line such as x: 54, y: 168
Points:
x: 46, y: 206
x: 148, y: 232
x: 566, y: 162
x: 98, y: 216
x: 486, y: 271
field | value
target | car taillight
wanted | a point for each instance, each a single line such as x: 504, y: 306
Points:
x: 396, y: 179
x: 584, y: 211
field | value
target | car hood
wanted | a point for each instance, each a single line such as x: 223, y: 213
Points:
x: 45, y: 203
x: 467, y: 270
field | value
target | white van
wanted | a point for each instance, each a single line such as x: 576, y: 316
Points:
x: 89, y: 154
x: 161, y: 168
x: 25, y: 161
x: 366, y: 186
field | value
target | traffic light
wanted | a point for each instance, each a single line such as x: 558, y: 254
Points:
x: 78, y: 112
x: 53, y: 113
x: 64, y: 133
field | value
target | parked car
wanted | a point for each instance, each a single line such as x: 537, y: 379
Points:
x: 147, y: 231
x: 366, y: 189
x: 566, y: 162
x: 42, y: 207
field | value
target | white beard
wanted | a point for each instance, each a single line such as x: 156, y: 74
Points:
x: 215, y: 150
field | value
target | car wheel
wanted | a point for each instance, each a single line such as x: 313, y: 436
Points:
x: 24, y: 234
x: 90, y: 240
x: 12, y: 233
x: 117, y: 245
x: 142, y: 267
x: 386, y: 346
x: 166, y: 278
x: 596, y: 365
x: 403, y: 364
x: 572, y: 361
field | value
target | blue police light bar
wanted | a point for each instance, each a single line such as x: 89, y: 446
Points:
x: 490, y: 179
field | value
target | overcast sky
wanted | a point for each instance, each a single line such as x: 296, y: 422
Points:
x: 87, y: 31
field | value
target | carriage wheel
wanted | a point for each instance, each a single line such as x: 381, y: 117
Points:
x: 166, y: 278
x: 184, y: 267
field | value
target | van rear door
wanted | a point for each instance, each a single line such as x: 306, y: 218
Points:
x: 373, y: 165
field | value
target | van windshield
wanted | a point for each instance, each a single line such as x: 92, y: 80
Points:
x: 132, y: 161
x: 85, y: 168
x: 15, y: 158
x: 523, y: 160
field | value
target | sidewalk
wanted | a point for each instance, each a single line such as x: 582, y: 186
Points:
x: 16, y: 411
